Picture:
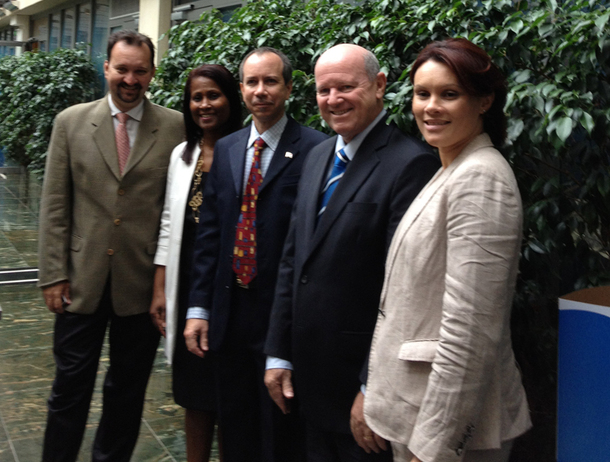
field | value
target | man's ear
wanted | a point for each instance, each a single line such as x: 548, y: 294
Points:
x: 380, y: 82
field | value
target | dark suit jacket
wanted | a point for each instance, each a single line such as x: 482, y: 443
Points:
x: 95, y: 223
x: 331, y: 275
x: 213, y: 275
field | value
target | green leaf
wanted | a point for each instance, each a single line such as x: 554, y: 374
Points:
x: 516, y: 26
x: 564, y: 128
x: 522, y: 76
x: 587, y: 121
x: 601, y: 22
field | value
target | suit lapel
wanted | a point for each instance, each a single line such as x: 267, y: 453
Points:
x: 145, y: 139
x: 237, y: 155
x: 437, y: 181
x: 103, y: 136
x: 319, y: 161
x: 355, y: 176
x: 288, y: 144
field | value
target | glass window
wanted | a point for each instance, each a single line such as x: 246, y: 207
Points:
x: 122, y: 7
x: 54, y: 36
x: 227, y: 12
x: 100, y: 38
x: 82, y: 26
x: 68, y: 28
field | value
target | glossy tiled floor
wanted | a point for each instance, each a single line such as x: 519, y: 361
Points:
x: 26, y: 360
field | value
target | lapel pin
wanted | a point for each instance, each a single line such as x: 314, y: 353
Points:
x: 288, y: 154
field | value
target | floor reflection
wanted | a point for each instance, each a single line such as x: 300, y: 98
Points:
x: 26, y: 359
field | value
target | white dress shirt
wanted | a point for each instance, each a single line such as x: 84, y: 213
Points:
x: 132, y: 124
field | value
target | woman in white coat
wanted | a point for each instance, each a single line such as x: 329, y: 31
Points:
x: 211, y: 109
x: 443, y: 384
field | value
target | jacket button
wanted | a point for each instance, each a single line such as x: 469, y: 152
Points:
x: 117, y: 221
x: 121, y: 192
x: 304, y: 279
x: 110, y: 252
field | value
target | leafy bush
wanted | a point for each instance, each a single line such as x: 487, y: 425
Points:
x: 34, y: 88
x: 556, y: 56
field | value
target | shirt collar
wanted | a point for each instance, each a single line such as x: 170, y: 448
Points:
x: 271, y: 136
x: 352, y: 147
x: 135, y: 113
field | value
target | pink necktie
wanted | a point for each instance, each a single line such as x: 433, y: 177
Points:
x: 122, y: 140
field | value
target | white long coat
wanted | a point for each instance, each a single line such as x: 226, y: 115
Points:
x: 179, y: 178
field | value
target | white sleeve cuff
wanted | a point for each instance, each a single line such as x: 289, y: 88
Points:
x: 277, y: 363
x: 197, y: 312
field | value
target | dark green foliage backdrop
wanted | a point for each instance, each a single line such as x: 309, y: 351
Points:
x: 556, y: 57
x: 34, y: 88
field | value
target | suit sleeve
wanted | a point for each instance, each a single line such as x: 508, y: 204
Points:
x: 279, y: 336
x: 56, y: 209
x: 414, y: 177
x: 483, y: 239
x: 164, y: 227
x: 207, y: 243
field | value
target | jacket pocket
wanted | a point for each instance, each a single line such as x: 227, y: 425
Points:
x: 418, y: 350
x: 290, y: 180
x: 76, y: 243
x: 361, y: 207
x: 156, y: 172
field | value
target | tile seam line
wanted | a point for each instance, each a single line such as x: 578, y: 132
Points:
x: 12, y: 246
x: 8, y: 437
x: 25, y: 205
x: 156, y: 437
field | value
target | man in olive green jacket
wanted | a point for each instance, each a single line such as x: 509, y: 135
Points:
x: 102, y: 199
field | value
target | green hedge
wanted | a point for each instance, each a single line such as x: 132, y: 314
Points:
x: 556, y: 57
x: 34, y: 88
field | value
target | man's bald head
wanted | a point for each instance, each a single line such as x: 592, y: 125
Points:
x: 349, y: 88
x: 370, y: 62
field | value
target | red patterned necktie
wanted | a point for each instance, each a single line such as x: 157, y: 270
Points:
x: 122, y: 140
x: 244, y: 252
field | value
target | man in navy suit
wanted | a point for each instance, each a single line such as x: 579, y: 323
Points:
x: 332, y: 268
x: 244, y: 222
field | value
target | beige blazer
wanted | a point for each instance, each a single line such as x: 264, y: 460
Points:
x: 179, y: 179
x: 95, y: 223
x: 442, y: 374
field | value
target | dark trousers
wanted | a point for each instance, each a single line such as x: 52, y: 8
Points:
x: 253, y: 427
x: 327, y: 446
x: 77, y: 346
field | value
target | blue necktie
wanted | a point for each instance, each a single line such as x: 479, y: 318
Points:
x: 341, y: 161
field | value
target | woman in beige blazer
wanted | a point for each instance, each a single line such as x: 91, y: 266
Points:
x: 211, y: 109
x: 443, y: 384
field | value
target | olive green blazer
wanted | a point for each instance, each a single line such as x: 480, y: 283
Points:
x: 96, y: 225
